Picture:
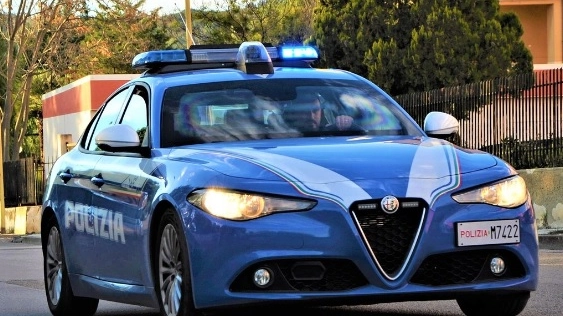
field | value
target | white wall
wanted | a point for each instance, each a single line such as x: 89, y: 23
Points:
x: 522, y: 119
x: 53, y: 127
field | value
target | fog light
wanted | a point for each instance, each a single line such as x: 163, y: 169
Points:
x: 263, y: 277
x: 497, y: 266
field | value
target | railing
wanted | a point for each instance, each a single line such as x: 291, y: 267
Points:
x: 20, y: 185
x: 518, y: 118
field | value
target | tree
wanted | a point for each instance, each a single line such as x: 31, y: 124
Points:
x: 3, y: 52
x: 113, y: 33
x: 175, y: 30
x: 30, y: 30
x: 50, y: 43
x: 268, y: 21
x: 408, y: 46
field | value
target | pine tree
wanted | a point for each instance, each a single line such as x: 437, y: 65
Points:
x: 408, y: 46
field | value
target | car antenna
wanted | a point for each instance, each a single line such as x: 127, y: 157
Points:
x: 185, y: 24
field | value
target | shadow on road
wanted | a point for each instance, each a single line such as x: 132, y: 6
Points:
x: 325, y: 311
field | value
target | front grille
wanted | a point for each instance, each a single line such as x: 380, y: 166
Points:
x: 338, y: 275
x: 390, y: 237
x: 465, y: 267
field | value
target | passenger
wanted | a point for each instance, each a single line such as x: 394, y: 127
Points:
x: 306, y: 115
x: 188, y: 119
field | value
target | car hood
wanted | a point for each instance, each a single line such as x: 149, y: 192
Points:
x: 324, y: 160
x: 344, y: 169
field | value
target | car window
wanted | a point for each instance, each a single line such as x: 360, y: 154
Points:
x: 258, y: 109
x: 108, y: 116
x: 135, y: 114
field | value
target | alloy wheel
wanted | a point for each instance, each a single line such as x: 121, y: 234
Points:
x: 170, y: 270
x: 54, y: 265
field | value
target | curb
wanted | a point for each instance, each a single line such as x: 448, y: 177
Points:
x: 34, y: 239
x: 554, y: 242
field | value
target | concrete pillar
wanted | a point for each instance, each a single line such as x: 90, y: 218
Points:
x: 555, y: 33
x: 20, y: 222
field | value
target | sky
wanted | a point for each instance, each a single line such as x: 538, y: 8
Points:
x: 170, y: 6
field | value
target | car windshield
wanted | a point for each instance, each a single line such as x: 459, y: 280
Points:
x: 278, y: 108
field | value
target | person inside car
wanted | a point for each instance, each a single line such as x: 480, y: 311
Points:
x: 305, y: 114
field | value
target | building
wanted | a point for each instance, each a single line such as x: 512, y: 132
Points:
x: 542, y: 21
x: 67, y: 110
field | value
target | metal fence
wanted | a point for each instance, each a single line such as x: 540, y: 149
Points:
x: 23, y: 182
x: 517, y: 118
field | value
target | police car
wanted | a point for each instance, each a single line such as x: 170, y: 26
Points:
x: 197, y: 187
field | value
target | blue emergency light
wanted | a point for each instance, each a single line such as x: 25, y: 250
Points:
x: 250, y: 57
x: 299, y: 53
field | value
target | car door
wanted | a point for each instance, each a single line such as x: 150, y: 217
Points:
x: 74, y: 193
x: 122, y: 203
x: 74, y: 200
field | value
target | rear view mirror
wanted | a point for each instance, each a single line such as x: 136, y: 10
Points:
x: 117, y: 138
x: 440, y: 124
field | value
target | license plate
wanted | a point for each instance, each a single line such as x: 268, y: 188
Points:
x: 488, y: 232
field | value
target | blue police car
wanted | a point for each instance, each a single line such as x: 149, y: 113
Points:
x: 238, y: 175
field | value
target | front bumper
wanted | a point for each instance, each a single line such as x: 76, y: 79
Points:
x: 326, y: 255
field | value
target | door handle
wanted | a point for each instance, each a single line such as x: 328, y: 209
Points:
x: 98, y: 180
x: 65, y: 176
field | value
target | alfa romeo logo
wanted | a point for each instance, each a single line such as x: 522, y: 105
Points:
x: 390, y: 204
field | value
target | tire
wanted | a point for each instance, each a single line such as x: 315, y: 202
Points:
x: 172, y: 269
x: 494, y: 305
x: 59, y: 294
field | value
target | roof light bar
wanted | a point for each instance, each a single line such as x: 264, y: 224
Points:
x: 247, y: 57
x: 253, y: 58
x: 299, y: 53
x: 159, y: 57
x: 203, y: 56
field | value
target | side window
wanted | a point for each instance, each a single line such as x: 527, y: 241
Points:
x: 107, y: 117
x: 136, y: 113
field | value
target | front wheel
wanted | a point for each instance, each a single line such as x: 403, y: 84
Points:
x: 172, y: 269
x: 494, y: 305
x: 60, y: 298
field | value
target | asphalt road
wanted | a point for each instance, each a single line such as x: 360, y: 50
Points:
x: 22, y: 294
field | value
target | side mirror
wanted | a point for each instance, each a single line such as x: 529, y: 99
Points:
x: 118, y: 137
x: 440, y: 124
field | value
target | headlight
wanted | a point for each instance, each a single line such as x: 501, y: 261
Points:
x: 511, y: 192
x: 244, y: 206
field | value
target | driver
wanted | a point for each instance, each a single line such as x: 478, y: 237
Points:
x: 305, y: 114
